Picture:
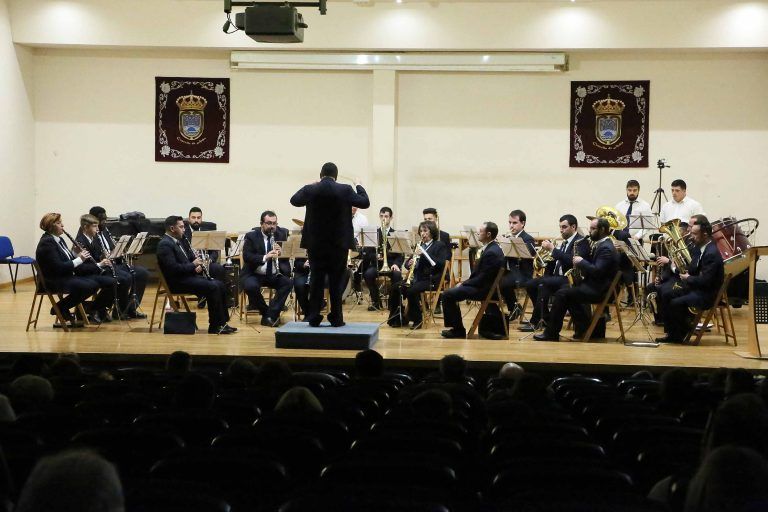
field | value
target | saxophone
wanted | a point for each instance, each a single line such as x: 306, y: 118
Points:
x: 412, y: 270
x: 574, y: 275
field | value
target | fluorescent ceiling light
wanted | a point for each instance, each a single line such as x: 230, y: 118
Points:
x: 403, y: 61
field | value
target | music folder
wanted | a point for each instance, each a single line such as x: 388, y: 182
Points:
x: 209, y: 240
x: 120, y: 247
x: 137, y: 245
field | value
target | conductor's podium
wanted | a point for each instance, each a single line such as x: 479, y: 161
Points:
x: 353, y: 336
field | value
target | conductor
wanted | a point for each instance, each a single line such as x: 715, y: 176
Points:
x: 328, y: 237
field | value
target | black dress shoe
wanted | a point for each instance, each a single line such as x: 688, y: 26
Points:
x: 668, y: 339
x: 395, y: 324
x: 71, y: 324
x: 64, y: 313
x: 269, y: 321
x: 491, y: 335
x: 95, y: 318
x: 545, y: 337
x: 453, y: 333
x: 338, y: 323
x: 527, y: 327
x: 230, y: 328
x: 219, y: 329
x: 136, y: 314
x: 315, y: 322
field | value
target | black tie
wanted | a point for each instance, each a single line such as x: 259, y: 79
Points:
x: 563, y: 248
x: 66, y: 249
x: 629, y: 212
x: 269, y: 262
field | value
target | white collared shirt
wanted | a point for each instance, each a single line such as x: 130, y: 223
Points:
x: 639, y: 207
x: 75, y: 261
x: 359, y: 221
x: 683, y: 210
x: 262, y: 269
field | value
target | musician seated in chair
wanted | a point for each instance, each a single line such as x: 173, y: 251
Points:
x: 541, y: 289
x: 597, y: 268
x: 520, y: 270
x: 374, y: 260
x: 700, y: 283
x: 90, y: 238
x: 184, y: 273
x: 427, y: 267
x: 262, y: 267
x: 58, y: 264
x: 476, y: 287
x: 137, y: 279
x: 195, y: 222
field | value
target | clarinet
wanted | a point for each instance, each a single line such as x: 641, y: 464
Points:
x: 196, y: 255
x: 104, y: 253
x: 80, y: 246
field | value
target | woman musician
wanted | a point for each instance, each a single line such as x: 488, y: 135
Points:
x: 424, y: 270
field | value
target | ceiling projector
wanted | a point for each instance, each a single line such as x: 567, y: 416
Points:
x: 270, y: 22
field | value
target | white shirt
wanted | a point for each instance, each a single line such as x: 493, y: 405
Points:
x: 639, y: 207
x: 359, y: 221
x: 76, y: 261
x: 683, y: 210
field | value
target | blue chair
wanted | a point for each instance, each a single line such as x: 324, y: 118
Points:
x: 7, y: 257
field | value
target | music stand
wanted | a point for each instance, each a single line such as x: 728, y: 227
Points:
x: 369, y: 237
x: 209, y: 240
x: 520, y: 249
x: 236, y: 249
x: 137, y: 246
x: 120, y: 246
x: 643, y: 222
x: 471, y: 235
x: 400, y: 243
x: 292, y: 249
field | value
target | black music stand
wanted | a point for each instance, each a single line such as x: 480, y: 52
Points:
x: 134, y: 250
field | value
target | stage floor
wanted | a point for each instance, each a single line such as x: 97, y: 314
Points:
x: 133, y: 341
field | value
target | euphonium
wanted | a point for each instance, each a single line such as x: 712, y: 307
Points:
x: 384, y: 232
x: 615, y: 218
x: 540, y: 260
x: 674, y: 242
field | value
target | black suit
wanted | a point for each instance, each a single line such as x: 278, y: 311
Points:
x: 598, y: 269
x: 58, y: 269
x: 105, y: 279
x: 475, y: 287
x: 445, y: 238
x: 698, y: 291
x: 175, y: 262
x: 373, y: 265
x: 328, y: 236
x: 520, y: 272
x: 275, y: 276
x: 669, y: 280
x: 140, y: 276
x: 425, y: 277
x: 542, y: 288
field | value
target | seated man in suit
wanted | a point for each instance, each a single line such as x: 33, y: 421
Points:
x: 520, y: 270
x: 490, y: 260
x: 58, y: 264
x: 262, y: 267
x: 106, y: 277
x: 183, y: 272
x: 374, y: 262
x: 432, y: 255
x: 541, y: 289
x: 700, y: 284
x: 136, y: 276
x: 598, y: 269
x: 195, y: 222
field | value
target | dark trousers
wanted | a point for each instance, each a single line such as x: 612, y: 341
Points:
x: 677, y: 317
x: 513, y: 280
x: 106, y: 296
x: 540, y: 290
x: 370, y: 274
x: 301, y: 289
x: 139, y: 283
x: 576, y: 300
x: 410, y: 297
x: 451, y: 299
x: 252, y: 285
x: 77, y: 288
x: 214, y: 292
x: 330, y: 262
x: 662, y: 289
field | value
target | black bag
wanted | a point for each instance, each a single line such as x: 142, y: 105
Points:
x: 492, y: 322
x: 178, y: 322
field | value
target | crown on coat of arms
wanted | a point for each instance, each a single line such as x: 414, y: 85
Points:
x: 193, y: 102
x: 608, y: 106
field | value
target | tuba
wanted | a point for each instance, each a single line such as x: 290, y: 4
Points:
x: 674, y: 242
x: 615, y: 218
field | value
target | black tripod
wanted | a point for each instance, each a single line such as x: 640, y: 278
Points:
x: 659, y: 192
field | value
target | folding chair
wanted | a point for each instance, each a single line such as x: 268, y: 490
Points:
x: 612, y: 293
x: 7, y: 257
x: 176, y: 300
x: 41, y: 291
x: 493, y: 297
x: 704, y: 316
x: 429, y: 297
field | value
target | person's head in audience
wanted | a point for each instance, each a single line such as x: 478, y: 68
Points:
x: 241, y: 371
x: 642, y: 374
x: 741, y: 420
x: 28, y: 364
x: 195, y: 391
x: 299, y: 399
x: 75, y: 481
x: 739, y: 381
x: 511, y: 371
x: 7, y: 413
x: 274, y: 372
x: 30, y: 392
x: 433, y: 404
x: 531, y: 389
x: 178, y: 363
x: 731, y: 479
x: 369, y: 364
x: 676, y: 387
x: 453, y: 368
x: 65, y: 367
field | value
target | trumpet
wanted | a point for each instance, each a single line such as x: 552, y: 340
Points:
x: 200, y: 255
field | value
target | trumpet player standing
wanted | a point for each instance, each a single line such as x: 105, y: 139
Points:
x: 597, y: 269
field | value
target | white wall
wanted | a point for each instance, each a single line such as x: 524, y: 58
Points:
x: 17, y: 144
x: 95, y: 129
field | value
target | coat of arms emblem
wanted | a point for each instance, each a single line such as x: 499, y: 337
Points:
x: 191, y: 115
x: 608, y: 120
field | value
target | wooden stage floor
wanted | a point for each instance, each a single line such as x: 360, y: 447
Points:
x: 133, y: 341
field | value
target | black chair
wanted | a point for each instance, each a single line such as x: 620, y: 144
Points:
x: 117, y: 411
x: 391, y: 472
x: 333, y: 433
x: 196, y: 428
x: 356, y: 500
x: 56, y: 428
x: 511, y: 451
x: 172, y: 496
